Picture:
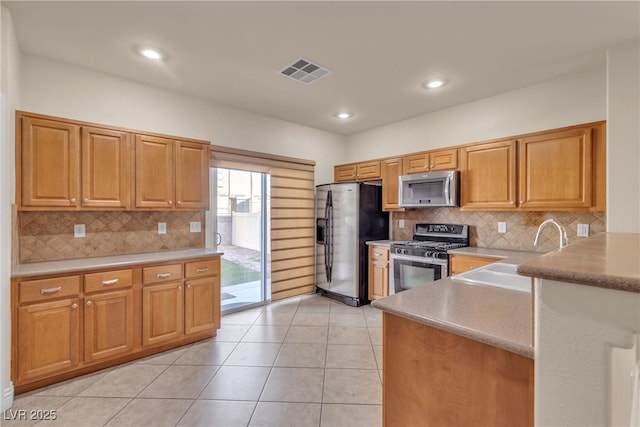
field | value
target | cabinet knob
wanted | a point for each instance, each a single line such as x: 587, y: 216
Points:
x: 179, y: 202
x: 89, y: 303
x: 188, y: 286
x: 169, y: 202
x: 72, y: 200
x: 179, y: 287
x: 85, y: 200
x: 431, y: 166
x: 522, y: 202
x: 74, y: 305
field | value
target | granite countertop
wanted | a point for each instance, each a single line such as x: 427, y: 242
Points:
x: 386, y: 243
x: 494, y: 316
x: 71, y: 265
x: 606, y: 260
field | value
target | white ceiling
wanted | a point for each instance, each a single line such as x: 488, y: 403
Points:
x: 378, y: 53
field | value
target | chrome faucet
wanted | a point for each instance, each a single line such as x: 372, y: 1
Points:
x: 563, y: 233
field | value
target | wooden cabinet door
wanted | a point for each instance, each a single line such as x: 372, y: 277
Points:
x: 415, y: 163
x: 154, y: 177
x: 108, y: 325
x: 443, y: 160
x: 462, y: 263
x: 201, y: 305
x: 48, y: 338
x: 368, y: 170
x: 106, y: 169
x: 345, y: 173
x: 391, y: 171
x: 49, y: 162
x: 556, y: 170
x: 192, y: 175
x: 489, y: 176
x: 162, y: 313
x: 378, y: 272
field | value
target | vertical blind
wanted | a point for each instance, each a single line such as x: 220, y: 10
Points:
x: 291, y: 211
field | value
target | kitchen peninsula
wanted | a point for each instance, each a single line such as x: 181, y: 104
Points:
x: 478, y: 339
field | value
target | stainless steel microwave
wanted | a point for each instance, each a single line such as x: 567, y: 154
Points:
x: 432, y: 189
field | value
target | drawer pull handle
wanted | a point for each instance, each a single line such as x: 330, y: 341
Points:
x: 202, y: 270
x: 45, y: 291
x: 377, y: 254
x: 163, y: 275
x: 109, y: 282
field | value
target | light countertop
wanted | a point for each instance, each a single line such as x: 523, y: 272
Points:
x: 498, y: 317
x: 79, y: 264
x: 386, y: 243
x: 606, y: 260
x: 494, y: 316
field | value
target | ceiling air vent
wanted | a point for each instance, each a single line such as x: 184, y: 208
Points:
x: 304, y: 71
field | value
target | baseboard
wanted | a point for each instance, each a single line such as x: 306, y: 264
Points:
x: 7, y: 397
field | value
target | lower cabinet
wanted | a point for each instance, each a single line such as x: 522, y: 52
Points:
x: 378, y: 272
x: 109, y: 325
x: 49, y: 339
x: 65, y: 326
x: 162, y: 313
x: 462, y: 263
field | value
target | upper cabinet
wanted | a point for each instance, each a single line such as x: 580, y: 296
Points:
x: 555, y: 170
x: 63, y: 164
x: 106, y: 168
x: 562, y: 169
x: 391, y: 171
x: 489, y: 176
x: 363, y: 171
x: 431, y: 161
x: 47, y: 164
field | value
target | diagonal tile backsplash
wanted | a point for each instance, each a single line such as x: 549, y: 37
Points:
x: 521, y: 226
x: 47, y: 236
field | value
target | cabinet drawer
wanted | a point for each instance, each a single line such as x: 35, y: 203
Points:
x: 200, y: 268
x: 379, y: 253
x: 48, y: 289
x: 161, y: 273
x: 108, y: 280
x: 462, y: 263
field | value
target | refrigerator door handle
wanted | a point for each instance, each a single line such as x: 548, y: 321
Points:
x: 330, y: 244
x: 326, y: 237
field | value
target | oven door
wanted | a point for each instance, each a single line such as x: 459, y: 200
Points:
x: 411, y: 271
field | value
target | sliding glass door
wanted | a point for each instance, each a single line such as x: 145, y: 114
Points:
x: 240, y: 208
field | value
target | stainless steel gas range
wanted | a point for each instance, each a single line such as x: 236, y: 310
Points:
x: 424, y: 259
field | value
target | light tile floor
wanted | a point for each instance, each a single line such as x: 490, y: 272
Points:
x: 303, y: 361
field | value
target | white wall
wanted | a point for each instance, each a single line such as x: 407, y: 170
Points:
x: 62, y: 90
x: 623, y: 136
x: 10, y: 94
x: 569, y: 100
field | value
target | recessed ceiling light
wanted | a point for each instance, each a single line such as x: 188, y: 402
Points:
x: 151, y: 53
x: 344, y: 116
x: 434, y: 83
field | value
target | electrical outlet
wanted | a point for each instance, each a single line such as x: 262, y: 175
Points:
x: 195, y: 226
x: 78, y: 230
x: 583, y: 230
x: 502, y: 227
x: 162, y: 228
x: 401, y: 223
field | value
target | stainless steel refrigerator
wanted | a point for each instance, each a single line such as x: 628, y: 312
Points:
x: 347, y: 216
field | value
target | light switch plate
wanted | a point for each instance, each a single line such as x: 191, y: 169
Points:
x: 162, y: 228
x: 583, y: 230
x: 195, y: 226
x: 502, y: 227
x: 78, y: 230
x: 401, y: 223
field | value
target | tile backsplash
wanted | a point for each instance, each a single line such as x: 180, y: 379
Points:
x: 521, y: 226
x: 48, y: 236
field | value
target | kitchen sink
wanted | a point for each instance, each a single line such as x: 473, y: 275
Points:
x: 499, y: 274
